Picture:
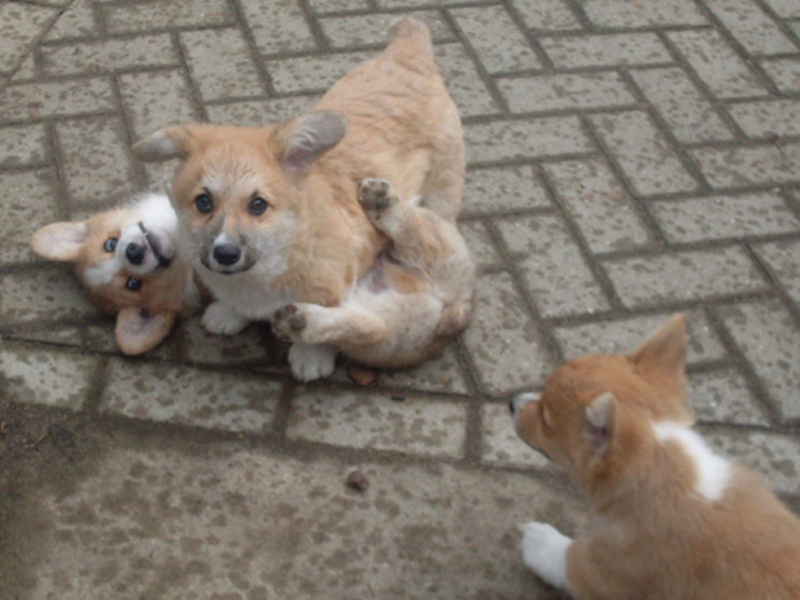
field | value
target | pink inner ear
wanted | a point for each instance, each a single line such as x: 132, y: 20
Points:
x: 60, y: 241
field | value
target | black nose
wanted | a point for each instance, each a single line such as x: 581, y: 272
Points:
x: 134, y: 253
x: 227, y: 254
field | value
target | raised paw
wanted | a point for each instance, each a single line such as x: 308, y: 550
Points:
x: 289, y: 322
x: 375, y: 196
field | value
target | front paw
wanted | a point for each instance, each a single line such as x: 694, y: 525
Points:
x: 311, y: 361
x: 544, y: 550
x: 289, y: 322
x: 221, y: 320
x: 375, y: 197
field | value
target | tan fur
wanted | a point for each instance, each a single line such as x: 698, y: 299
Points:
x: 654, y: 535
x: 144, y: 317
x: 314, y: 246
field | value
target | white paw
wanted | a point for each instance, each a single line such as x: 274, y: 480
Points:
x: 221, y: 320
x: 544, y: 550
x: 311, y: 361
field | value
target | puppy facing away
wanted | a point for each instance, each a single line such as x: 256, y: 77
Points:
x: 672, y: 520
x: 127, y: 259
x: 279, y: 226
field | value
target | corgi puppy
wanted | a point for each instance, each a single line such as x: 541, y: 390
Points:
x: 672, y: 519
x: 127, y: 259
x: 274, y: 228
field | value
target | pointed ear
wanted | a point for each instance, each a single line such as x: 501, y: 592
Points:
x: 60, y: 241
x: 599, y: 422
x: 665, y: 351
x: 137, y: 331
x: 302, y: 141
x: 175, y: 141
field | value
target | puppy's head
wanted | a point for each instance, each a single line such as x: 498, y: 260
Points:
x: 125, y: 259
x: 238, y: 190
x: 592, y: 416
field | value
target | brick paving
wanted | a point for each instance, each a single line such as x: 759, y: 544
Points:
x: 626, y: 160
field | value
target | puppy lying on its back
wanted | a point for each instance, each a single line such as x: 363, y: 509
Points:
x: 127, y: 259
x: 673, y: 520
x: 271, y: 216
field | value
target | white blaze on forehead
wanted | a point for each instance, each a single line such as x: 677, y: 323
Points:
x: 102, y: 273
x: 713, y: 472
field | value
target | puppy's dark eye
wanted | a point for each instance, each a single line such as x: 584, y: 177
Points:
x: 257, y: 206
x: 110, y: 244
x: 204, y: 203
x: 133, y: 285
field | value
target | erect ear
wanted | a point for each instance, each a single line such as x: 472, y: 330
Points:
x: 175, y: 141
x: 137, y: 331
x: 598, y: 427
x: 302, y: 141
x: 60, y: 241
x: 665, y: 351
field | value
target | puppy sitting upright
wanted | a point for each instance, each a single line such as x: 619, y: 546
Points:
x: 271, y: 216
x: 127, y: 259
x: 673, y: 520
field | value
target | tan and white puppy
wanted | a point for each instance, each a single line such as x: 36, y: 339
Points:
x: 273, y: 224
x: 672, y: 520
x: 127, y: 259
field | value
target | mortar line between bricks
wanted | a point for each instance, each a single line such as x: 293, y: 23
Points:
x: 97, y: 386
x: 483, y: 74
x: 787, y: 31
x: 314, y: 26
x: 580, y: 14
x: 61, y: 193
x: 258, y: 62
x: 767, y: 273
x: 532, y: 40
x: 195, y: 97
x: 598, y: 272
x: 139, y: 173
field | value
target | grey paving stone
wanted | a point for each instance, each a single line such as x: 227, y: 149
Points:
x: 546, y: 14
x: 716, y: 63
x: 767, y: 118
x: 785, y: 74
x: 683, y: 276
x: 775, y: 457
x: 20, y: 25
x: 480, y: 244
x: 248, y: 523
x: 565, y: 91
x: 554, y: 272
x: 723, y: 397
x: 258, y: 113
x: 463, y: 82
x: 27, y: 101
x: 130, y: 17
x: 442, y: 374
x: 23, y: 145
x: 322, y: 6
x: 415, y: 425
x: 495, y: 37
x: 27, y: 70
x: 500, y: 444
x: 690, y: 117
x: 156, y: 99
x: 201, y: 347
x: 196, y: 397
x: 644, y: 13
x: 768, y: 164
x: 53, y: 334
x: 49, y: 293
x: 503, y: 340
x: 643, y: 153
x: 313, y: 74
x: 783, y: 259
x: 626, y: 335
x: 717, y: 217
x: 34, y: 375
x: 610, y: 50
x: 751, y: 27
x: 373, y: 29
x: 96, y: 165
x: 599, y: 204
x: 785, y: 8
x: 79, y: 20
x: 503, y: 189
x: 221, y: 64
x: 29, y: 204
x: 278, y: 26
x: 768, y: 337
x: 531, y: 138
x: 106, y: 55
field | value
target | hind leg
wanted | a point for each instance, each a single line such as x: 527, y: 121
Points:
x: 315, y: 324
